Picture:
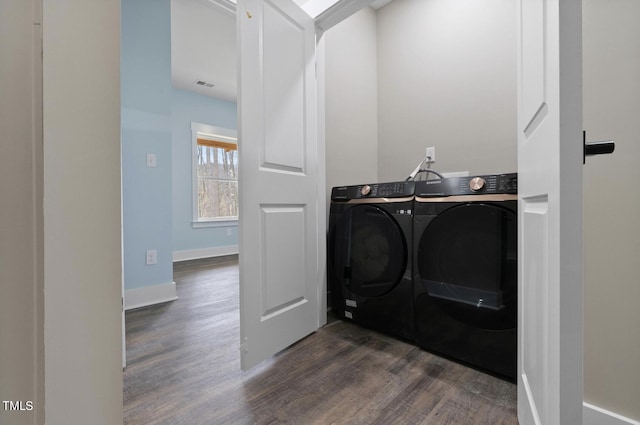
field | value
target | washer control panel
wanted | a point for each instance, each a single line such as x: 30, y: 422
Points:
x: 477, y: 183
x: 471, y: 185
x: 373, y: 190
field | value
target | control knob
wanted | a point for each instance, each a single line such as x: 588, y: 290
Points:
x: 476, y: 183
x: 366, y: 189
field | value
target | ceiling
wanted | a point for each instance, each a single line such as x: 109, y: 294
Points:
x: 203, y: 46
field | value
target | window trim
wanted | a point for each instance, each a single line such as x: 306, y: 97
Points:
x: 223, y: 135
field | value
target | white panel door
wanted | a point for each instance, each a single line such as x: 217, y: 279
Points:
x: 550, y: 212
x: 282, y: 228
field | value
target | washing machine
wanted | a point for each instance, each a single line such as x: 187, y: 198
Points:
x: 369, y: 256
x: 465, y: 260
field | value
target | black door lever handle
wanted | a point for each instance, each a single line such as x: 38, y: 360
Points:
x: 596, y: 148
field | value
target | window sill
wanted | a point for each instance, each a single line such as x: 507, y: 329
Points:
x: 225, y: 222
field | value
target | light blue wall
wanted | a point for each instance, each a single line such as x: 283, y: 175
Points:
x: 188, y: 107
x: 146, y: 128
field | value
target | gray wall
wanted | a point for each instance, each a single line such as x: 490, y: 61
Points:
x: 447, y: 78
x: 416, y: 74
x: 61, y: 259
x: 611, y: 57
x: 351, y: 101
x: 82, y: 213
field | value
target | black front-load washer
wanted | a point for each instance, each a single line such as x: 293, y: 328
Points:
x: 369, y: 256
x: 465, y: 259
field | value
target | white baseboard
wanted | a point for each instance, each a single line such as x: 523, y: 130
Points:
x: 593, y: 415
x: 195, y: 254
x: 149, y: 295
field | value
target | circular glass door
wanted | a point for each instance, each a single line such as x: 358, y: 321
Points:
x: 369, y: 251
x: 467, y: 260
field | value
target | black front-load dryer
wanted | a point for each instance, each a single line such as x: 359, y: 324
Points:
x: 465, y: 259
x: 369, y: 256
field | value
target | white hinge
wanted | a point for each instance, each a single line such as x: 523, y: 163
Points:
x: 39, y: 26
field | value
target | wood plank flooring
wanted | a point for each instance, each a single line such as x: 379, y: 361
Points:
x: 184, y: 368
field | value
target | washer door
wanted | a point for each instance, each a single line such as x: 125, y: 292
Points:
x: 467, y: 260
x: 369, y: 251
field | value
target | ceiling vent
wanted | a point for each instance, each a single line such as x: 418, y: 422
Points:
x: 203, y: 84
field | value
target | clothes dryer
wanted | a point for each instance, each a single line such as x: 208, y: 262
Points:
x: 465, y: 258
x: 369, y: 256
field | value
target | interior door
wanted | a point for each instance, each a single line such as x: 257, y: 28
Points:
x: 550, y: 212
x: 282, y: 220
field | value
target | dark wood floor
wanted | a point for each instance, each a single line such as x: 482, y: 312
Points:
x: 184, y: 368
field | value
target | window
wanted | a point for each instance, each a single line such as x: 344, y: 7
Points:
x: 215, y: 175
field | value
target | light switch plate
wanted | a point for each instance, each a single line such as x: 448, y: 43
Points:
x: 152, y: 257
x: 151, y: 160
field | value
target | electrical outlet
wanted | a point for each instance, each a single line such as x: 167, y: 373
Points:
x: 152, y: 257
x: 431, y: 154
x: 229, y: 232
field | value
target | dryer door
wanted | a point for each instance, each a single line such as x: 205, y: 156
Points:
x: 369, y: 251
x: 467, y: 261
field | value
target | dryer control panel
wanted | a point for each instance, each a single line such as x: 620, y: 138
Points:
x: 470, y: 185
x: 373, y: 190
